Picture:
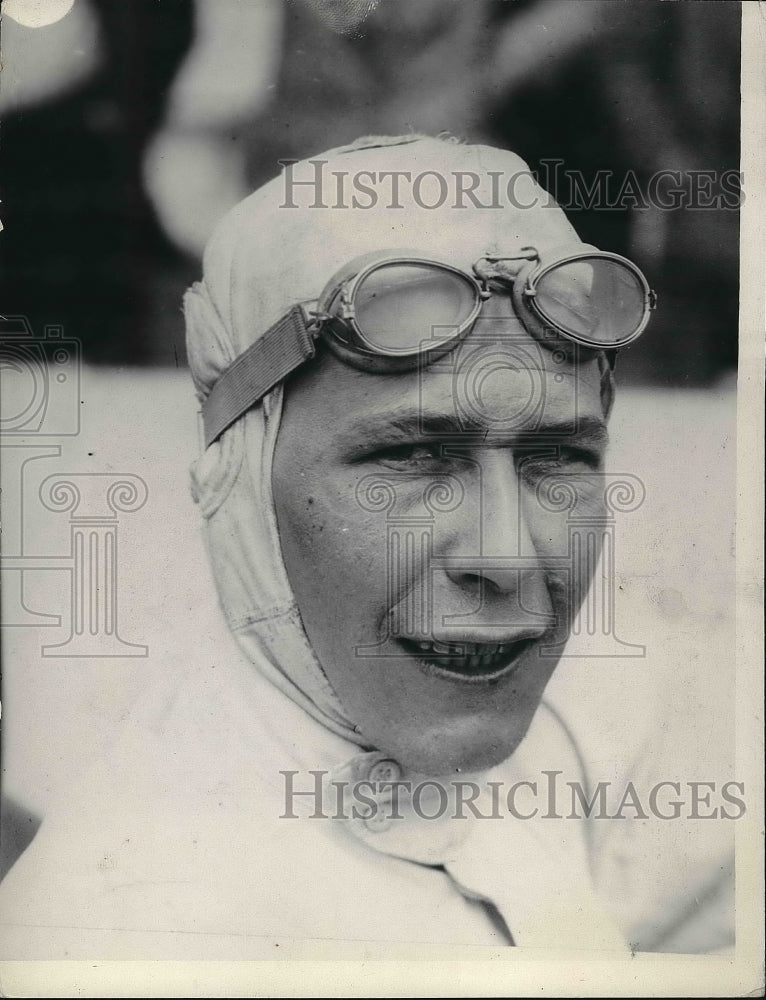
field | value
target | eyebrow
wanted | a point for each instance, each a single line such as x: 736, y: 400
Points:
x: 415, y: 422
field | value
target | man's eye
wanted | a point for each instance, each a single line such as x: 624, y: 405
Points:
x: 417, y: 457
x: 575, y: 460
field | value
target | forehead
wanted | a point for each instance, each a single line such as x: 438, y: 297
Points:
x: 498, y: 386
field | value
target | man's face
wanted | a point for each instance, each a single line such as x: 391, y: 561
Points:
x: 430, y: 557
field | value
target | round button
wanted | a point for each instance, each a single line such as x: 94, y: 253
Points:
x: 385, y: 770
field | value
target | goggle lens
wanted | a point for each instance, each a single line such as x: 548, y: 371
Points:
x: 399, y: 307
x: 595, y: 300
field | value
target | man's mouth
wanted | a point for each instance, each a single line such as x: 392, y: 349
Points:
x: 472, y: 662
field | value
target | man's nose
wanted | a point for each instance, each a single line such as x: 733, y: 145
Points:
x: 492, y: 550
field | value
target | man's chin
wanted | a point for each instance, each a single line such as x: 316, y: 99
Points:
x: 445, y: 725
x: 461, y: 751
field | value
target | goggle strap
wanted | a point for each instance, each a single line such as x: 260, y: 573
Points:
x: 284, y: 346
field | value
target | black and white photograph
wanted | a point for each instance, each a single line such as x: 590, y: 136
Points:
x: 382, y: 497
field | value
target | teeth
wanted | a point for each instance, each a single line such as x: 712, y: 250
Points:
x: 465, y: 649
x: 466, y: 657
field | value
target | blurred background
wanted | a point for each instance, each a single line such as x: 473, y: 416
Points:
x: 129, y: 128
